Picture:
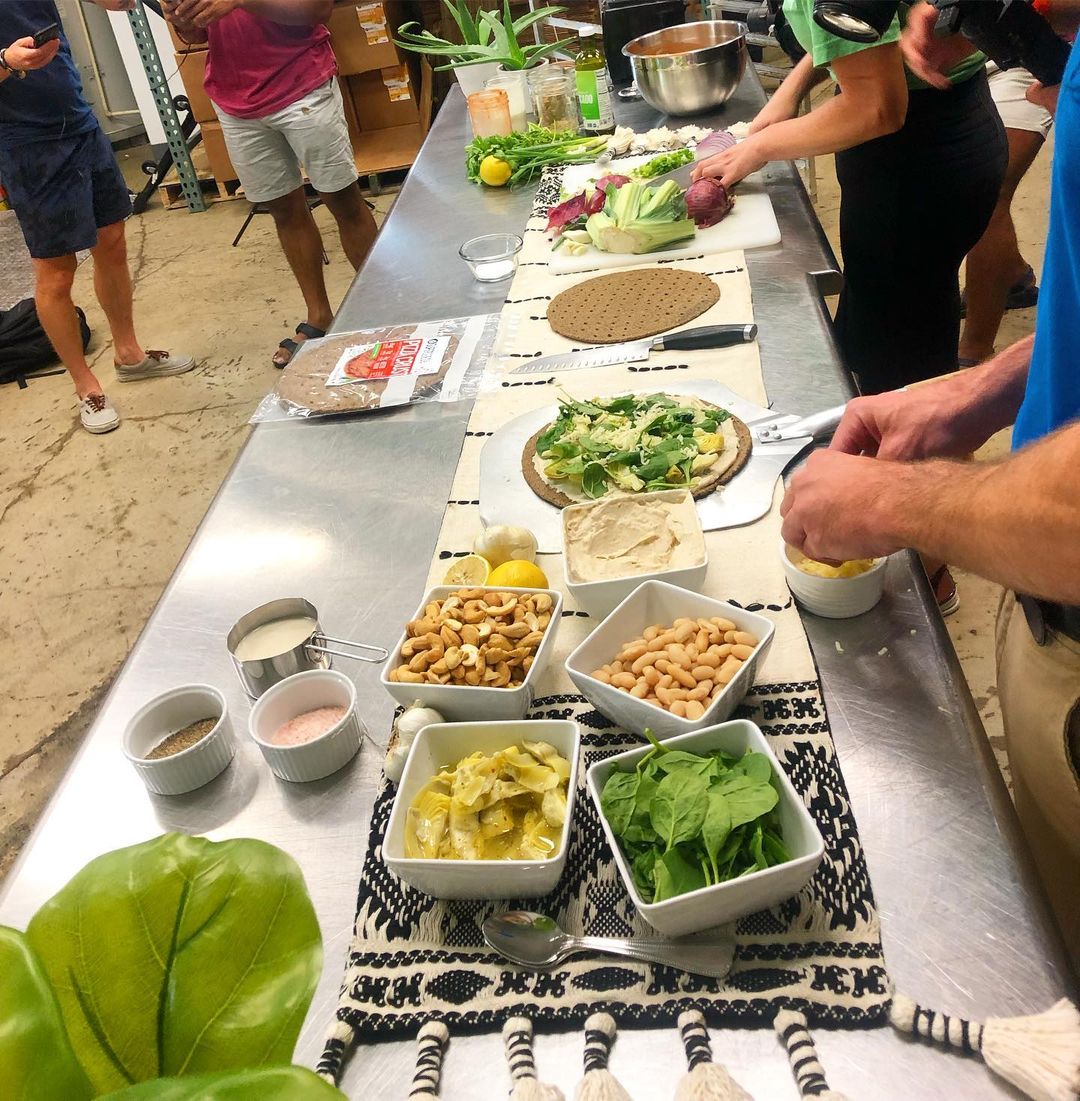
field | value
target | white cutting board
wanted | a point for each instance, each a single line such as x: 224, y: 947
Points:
x: 751, y: 224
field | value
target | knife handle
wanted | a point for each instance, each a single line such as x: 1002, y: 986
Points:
x: 708, y: 336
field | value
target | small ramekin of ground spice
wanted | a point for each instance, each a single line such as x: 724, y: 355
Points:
x: 306, y: 726
x: 181, y: 739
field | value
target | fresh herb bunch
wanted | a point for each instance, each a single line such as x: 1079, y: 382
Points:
x: 687, y: 821
x: 666, y: 162
x: 530, y: 151
x: 633, y: 443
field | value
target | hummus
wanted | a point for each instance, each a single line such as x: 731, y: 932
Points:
x: 814, y: 568
x: 626, y: 536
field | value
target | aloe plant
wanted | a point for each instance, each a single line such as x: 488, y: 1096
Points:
x: 490, y: 37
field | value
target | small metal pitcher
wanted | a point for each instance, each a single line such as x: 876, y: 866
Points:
x: 312, y: 653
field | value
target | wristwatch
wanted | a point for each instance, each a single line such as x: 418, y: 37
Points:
x: 20, y: 73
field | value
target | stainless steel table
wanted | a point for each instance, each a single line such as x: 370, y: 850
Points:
x: 339, y: 512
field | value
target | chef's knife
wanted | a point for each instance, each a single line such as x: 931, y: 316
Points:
x: 680, y: 175
x: 705, y: 336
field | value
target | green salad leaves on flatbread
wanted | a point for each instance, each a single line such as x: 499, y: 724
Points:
x: 635, y: 444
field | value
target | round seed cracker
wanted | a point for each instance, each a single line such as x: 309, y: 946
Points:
x: 631, y: 305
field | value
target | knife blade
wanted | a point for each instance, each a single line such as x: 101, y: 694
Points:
x: 705, y: 336
x: 680, y: 175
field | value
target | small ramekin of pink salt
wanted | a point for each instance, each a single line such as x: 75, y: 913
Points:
x: 306, y: 726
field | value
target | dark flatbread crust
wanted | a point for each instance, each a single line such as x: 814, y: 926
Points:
x: 547, y: 492
x: 303, y: 381
x: 631, y: 305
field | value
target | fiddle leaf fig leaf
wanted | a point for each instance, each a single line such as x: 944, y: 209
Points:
x: 264, y: 1084
x: 36, y: 1059
x: 180, y: 956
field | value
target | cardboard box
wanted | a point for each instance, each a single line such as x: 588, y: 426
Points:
x: 180, y: 45
x: 192, y: 69
x: 361, y: 37
x: 384, y: 98
x: 217, y: 153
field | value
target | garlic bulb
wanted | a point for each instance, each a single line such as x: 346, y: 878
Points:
x: 503, y: 543
x: 394, y: 765
x: 407, y: 725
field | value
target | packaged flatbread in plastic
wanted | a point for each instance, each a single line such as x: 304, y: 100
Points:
x: 372, y: 369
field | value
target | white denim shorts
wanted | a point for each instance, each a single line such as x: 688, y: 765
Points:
x: 1008, y: 89
x: 268, y: 152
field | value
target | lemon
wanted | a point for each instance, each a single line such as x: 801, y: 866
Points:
x: 472, y: 570
x: 518, y: 574
x: 494, y: 171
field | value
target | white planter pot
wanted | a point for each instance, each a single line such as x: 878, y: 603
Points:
x: 473, y: 77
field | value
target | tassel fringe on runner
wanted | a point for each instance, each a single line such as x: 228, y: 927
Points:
x: 802, y: 1055
x: 431, y: 1044
x: 1040, y: 1055
x: 518, y: 1044
x: 599, y: 1084
x: 705, y: 1080
x: 337, y: 1046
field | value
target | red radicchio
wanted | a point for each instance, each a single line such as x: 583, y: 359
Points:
x: 566, y: 212
x: 707, y: 202
x: 595, y: 203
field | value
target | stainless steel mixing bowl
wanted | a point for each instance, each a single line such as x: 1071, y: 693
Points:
x: 689, y: 68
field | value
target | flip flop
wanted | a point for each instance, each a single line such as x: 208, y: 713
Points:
x: 291, y: 346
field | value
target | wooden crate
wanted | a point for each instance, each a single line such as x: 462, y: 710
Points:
x: 214, y: 191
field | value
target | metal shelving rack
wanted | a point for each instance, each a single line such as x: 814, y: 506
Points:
x: 159, y: 86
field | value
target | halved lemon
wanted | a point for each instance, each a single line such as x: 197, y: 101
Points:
x: 518, y: 574
x: 472, y: 570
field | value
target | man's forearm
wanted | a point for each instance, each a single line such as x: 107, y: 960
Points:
x: 992, y: 392
x: 1016, y: 522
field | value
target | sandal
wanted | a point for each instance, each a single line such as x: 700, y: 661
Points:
x: 291, y: 346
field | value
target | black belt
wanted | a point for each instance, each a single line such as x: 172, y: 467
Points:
x: 1044, y: 616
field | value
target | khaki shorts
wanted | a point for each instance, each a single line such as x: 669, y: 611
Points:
x: 1008, y: 88
x: 267, y: 152
x: 1039, y: 688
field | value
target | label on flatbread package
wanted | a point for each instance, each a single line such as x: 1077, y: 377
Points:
x: 389, y: 359
x: 396, y: 82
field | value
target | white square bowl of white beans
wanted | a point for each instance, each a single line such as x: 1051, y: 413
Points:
x: 670, y: 660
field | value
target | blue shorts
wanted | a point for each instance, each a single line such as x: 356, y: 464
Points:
x: 63, y: 191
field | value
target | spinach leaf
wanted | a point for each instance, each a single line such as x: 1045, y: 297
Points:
x: 675, y: 875
x: 775, y: 849
x: 679, y: 759
x: 617, y: 800
x: 715, y: 829
x: 678, y: 808
x: 750, y: 801
x: 643, y: 871
x: 594, y: 480
x: 756, y: 766
x: 756, y: 848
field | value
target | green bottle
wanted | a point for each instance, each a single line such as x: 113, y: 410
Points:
x: 594, y: 84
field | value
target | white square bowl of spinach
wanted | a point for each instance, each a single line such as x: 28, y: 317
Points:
x: 705, y: 827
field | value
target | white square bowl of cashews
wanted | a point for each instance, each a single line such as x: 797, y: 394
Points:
x: 487, y: 699
x: 705, y: 676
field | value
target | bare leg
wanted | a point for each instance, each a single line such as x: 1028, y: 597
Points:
x: 56, y: 312
x: 356, y: 225
x: 112, y: 284
x: 995, y: 265
x: 302, y: 244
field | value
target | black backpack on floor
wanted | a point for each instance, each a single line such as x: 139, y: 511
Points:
x: 24, y: 347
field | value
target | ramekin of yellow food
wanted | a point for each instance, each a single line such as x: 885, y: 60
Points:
x: 483, y: 809
x: 836, y: 592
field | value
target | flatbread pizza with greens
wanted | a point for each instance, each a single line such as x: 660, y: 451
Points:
x: 634, y: 443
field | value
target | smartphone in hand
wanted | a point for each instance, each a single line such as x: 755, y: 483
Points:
x: 46, y: 34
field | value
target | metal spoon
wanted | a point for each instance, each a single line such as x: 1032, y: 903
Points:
x: 536, y: 941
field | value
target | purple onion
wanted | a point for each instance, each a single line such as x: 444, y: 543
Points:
x: 716, y: 142
x: 707, y: 202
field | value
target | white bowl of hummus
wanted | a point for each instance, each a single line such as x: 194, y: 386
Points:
x: 613, y: 545
x: 836, y: 592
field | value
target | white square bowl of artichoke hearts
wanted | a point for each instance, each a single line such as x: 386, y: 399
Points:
x: 472, y: 796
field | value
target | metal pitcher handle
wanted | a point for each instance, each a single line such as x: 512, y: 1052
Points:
x: 378, y: 653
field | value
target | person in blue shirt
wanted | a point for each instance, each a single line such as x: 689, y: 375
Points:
x: 891, y: 479
x: 68, y: 195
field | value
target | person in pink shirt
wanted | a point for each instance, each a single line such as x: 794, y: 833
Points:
x: 270, y: 74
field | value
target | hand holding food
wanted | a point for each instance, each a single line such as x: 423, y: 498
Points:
x: 734, y: 164
x: 475, y: 637
x: 507, y: 806
x: 681, y: 668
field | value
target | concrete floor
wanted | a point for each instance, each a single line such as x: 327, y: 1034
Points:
x: 92, y: 527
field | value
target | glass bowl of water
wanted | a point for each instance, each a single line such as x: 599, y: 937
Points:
x: 493, y: 257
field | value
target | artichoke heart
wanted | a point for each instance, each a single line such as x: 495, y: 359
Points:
x: 508, y: 805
